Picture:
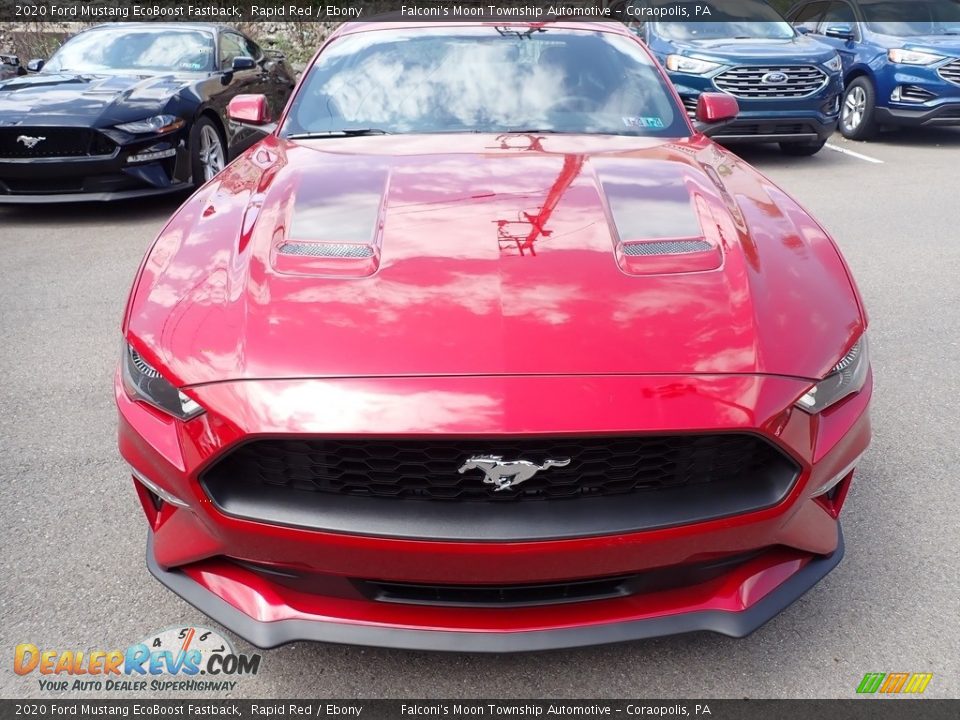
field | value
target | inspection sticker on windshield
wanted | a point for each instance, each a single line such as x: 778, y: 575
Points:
x: 643, y: 122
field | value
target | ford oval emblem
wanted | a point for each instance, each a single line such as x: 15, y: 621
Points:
x: 774, y: 78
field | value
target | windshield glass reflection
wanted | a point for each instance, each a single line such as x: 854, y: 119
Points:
x: 486, y: 80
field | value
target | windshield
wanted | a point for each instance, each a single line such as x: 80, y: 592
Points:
x: 752, y: 19
x: 122, y: 49
x: 486, y: 79
x: 920, y: 17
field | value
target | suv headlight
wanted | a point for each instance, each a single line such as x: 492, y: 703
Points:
x: 912, y: 57
x: 157, y: 124
x: 679, y: 63
x: 846, y: 378
x: 144, y: 382
x: 834, y: 64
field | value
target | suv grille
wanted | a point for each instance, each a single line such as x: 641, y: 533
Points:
x: 951, y: 72
x: 57, y: 142
x: 428, y: 469
x: 794, y: 81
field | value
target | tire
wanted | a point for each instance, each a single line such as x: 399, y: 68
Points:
x: 858, y: 110
x: 208, y: 151
x: 802, y: 149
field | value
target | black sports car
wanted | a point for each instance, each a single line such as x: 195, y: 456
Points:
x: 126, y: 110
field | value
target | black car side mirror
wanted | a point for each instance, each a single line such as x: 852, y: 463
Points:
x: 36, y: 65
x: 841, y: 32
x: 243, y: 63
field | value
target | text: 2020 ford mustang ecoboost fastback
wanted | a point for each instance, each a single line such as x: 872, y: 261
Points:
x: 485, y: 347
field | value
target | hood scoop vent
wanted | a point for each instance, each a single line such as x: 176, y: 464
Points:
x: 666, y: 247
x: 327, y: 250
x: 664, y: 219
x: 334, y: 226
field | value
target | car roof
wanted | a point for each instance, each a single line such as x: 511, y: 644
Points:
x: 388, y: 22
x: 209, y: 27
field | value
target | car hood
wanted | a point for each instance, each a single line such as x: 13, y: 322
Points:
x: 490, y: 256
x: 947, y: 44
x: 729, y: 51
x: 82, y: 99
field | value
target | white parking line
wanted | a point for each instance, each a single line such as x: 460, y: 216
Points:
x: 854, y: 154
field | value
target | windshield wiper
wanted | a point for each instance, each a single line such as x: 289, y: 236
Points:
x: 343, y: 132
x: 507, y: 31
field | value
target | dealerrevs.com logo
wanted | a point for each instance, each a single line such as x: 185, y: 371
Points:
x: 188, y: 659
x: 894, y: 683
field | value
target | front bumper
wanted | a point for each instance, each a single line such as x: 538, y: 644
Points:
x: 97, y: 177
x: 941, y: 108
x: 805, y: 120
x: 273, y: 583
x: 944, y: 115
x: 269, y: 634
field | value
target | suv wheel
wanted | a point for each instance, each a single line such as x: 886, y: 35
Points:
x: 857, y: 110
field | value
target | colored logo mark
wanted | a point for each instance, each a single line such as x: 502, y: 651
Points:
x: 892, y: 683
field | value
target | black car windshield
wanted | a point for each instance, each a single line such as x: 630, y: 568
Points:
x: 752, y: 19
x: 485, y: 79
x: 909, y: 19
x: 119, y: 49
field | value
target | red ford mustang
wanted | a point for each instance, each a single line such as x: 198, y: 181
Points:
x: 485, y: 347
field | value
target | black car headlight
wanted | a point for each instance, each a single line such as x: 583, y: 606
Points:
x: 158, y: 124
x: 846, y: 378
x: 144, y: 382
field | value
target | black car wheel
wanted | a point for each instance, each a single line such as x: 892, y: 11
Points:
x: 208, y: 151
x: 802, y: 149
x: 857, y: 111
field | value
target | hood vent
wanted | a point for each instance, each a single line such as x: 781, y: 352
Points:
x: 327, y: 250
x: 666, y: 247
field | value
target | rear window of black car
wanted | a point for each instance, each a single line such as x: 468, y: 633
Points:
x: 486, y: 79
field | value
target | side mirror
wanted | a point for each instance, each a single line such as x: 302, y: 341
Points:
x: 840, y: 32
x: 243, y: 63
x: 11, y: 60
x: 802, y: 29
x: 36, y: 65
x: 713, y: 108
x: 249, y: 109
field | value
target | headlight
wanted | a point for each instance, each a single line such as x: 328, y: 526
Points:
x: 834, y: 64
x: 679, y: 63
x: 143, y: 382
x: 156, y: 124
x: 846, y: 378
x: 912, y: 57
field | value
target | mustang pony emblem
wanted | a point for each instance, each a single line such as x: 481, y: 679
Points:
x: 30, y: 142
x: 507, y: 473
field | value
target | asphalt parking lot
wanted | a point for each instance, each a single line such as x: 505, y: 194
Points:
x: 72, y: 533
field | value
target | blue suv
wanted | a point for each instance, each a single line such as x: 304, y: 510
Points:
x: 901, y: 60
x: 787, y: 85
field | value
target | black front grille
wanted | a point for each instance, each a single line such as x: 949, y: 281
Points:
x: 752, y: 82
x: 690, y: 105
x: 768, y: 128
x: 429, y: 469
x: 53, y: 142
x: 499, y: 595
x: 951, y: 72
